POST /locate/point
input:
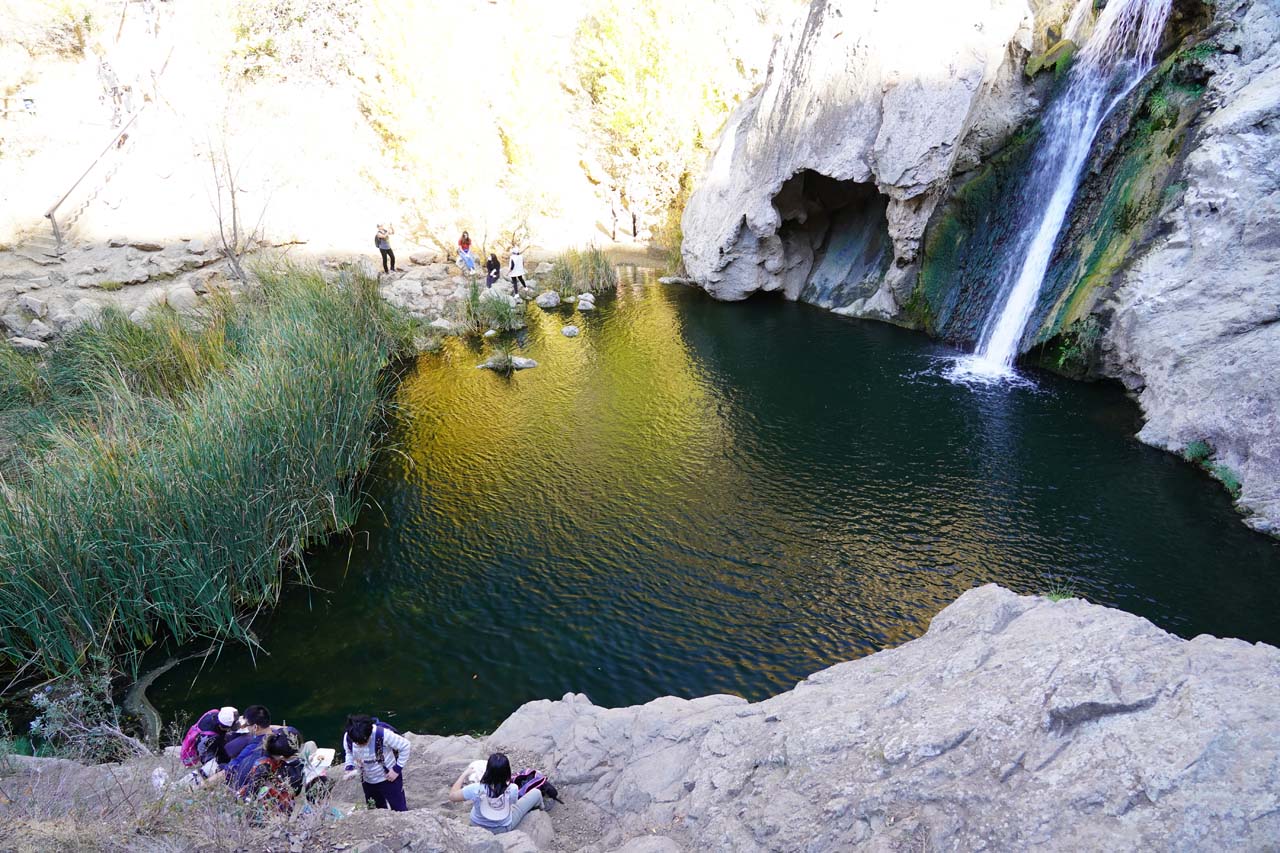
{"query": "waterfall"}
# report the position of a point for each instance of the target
(1119, 52)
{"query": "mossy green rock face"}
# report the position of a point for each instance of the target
(1129, 180)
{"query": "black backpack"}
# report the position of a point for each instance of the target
(528, 779)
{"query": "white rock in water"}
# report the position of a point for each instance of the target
(675, 279)
(522, 363)
(547, 299)
(569, 331)
(590, 297)
(27, 344)
(492, 333)
(584, 305)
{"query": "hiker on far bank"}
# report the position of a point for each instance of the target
(465, 258)
(382, 240)
(378, 753)
(517, 270)
(496, 803)
(492, 270)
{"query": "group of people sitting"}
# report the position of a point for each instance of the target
(259, 760)
(466, 260)
(269, 764)
(492, 267)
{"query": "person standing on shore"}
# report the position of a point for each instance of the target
(517, 270)
(382, 239)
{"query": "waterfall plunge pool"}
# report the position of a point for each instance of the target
(695, 497)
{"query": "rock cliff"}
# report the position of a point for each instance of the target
(825, 179)
(868, 175)
(1013, 723)
(1195, 319)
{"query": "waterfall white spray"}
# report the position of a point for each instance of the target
(1118, 53)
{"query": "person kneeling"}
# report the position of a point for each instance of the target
(496, 803)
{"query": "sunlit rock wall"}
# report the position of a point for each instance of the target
(886, 99)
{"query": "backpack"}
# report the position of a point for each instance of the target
(528, 779)
(190, 755)
(379, 730)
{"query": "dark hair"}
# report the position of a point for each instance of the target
(257, 715)
(497, 775)
(465, 234)
(281, 745)
(359, 728)
(492, 256)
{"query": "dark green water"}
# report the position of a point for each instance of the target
(694, 497)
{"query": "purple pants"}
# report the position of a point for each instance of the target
(386, 795)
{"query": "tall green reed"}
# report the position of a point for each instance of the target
(179, 468)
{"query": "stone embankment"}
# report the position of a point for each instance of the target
(1013, 723)
(43, 295)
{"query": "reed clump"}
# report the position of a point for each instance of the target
(163, 480)
(581, 271)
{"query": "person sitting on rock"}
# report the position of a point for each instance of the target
(275, 774)
(496, 803)
(378, 754)
(465, 258)
(492, 270)
(257, 725)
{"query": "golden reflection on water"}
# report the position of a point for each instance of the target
(692, 497)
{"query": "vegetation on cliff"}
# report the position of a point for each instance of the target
(160, 476)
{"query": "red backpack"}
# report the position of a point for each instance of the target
(190, 756)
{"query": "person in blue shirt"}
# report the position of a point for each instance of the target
(496, 803)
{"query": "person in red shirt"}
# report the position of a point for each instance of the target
(465, 258)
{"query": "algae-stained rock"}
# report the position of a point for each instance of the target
(1195, 330)
(867, 111)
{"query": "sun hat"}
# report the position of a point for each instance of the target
(227, 715)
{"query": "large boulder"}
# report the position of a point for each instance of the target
(547, 299)
(1195, 329)
(824, 180)
(1013, 723)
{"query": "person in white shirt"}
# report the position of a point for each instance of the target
(496, 803)
(517, 270)
(378, 753)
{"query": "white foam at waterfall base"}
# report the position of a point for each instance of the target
(1118, 53)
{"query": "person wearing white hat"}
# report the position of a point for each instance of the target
(214, 727)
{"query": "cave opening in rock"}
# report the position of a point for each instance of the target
(835, 238)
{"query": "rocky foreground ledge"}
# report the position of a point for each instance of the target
(1015, 722)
